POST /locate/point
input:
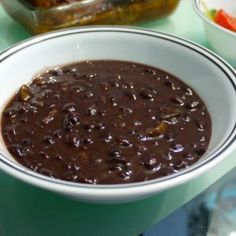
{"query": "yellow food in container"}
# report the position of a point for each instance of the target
(40, 16)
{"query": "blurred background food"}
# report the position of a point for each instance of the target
(40, 16)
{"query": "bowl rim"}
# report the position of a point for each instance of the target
(196, 7)
(150, 186)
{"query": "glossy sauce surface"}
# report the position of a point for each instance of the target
(106, 122)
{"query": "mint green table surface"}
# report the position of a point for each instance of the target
(26, 210)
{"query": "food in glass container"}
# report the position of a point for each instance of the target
(41, 16)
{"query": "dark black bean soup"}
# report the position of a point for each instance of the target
(106, 122)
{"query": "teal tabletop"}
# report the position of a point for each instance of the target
(26, 210)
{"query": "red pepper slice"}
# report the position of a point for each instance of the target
(225, 20)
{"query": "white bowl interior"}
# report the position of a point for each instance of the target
(200, 72)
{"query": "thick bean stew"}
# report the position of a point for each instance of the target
(106, 122)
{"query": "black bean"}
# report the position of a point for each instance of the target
(203, 139)
(177, 100)
(130, 94)
(92, 111)
(10, 113)
(200, 124)
(150, 71)
(23, 120)
(116, 156)
(168, 156)
(125, 86)
(88, 126)
(48, 139)
(75, 74)
(46, 93)
(141, 137)
(192, 105)
(113, 99)
(107, 138)
(44, 155)
(24, 108)
(176, 147)
(70, 120)
(11, 131)
(115, 152)
(187, 117)
(125, 173)
(154, 90)
(127, 110)
(120, 160)
(178, 165)
(137, 123)
(87, 180)
(52, 107)
(89, 94)
(34, 166)
(37, 103)
(77, 89)
(100, 126)
(73, 140)
(56, 72)
(17, 150)
(116, 167)
(66, 71)
(87, 140)
(57, 133)
(30, 131)
(57, 96)
(188, 91)
(104, 85)
(124, 142)
(189, 156)
(150, 163)
(69, 107)
(59, 157)
(200, 151)
(165, 171)
(132, 131)
(68, 165)
(92, 76)
(169, 137)
(115, 84)
(146, 93)
(98, 161)
(102, 112)
(26, 142)
(169, 84)
(70, 176)
(45, 171)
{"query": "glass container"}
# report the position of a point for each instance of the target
(39, 16)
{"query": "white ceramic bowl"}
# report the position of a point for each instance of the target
(212, 78)
(221, 40)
